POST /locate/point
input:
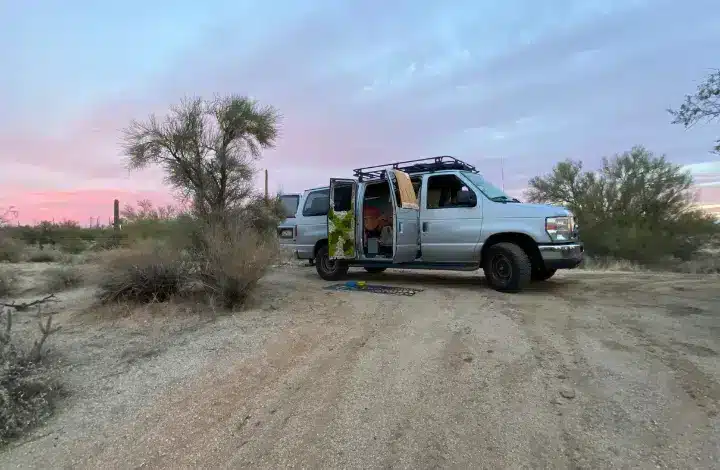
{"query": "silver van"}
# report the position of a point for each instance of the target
(436, 213)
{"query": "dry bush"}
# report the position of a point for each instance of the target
(149, 272)
(233, 260)
(73, 245)
(11, 250)
(8, 283)
(706, 265)
(43, 256)
(63, 277)
(610, 264)
(222, 262)
(27, 389)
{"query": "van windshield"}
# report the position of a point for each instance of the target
(491, 192)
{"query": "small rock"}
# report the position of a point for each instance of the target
(562, 376)
(555, 401)
(490, 351)
(568, 393)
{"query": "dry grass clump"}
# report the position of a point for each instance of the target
(11, 250)
(150, 272)
(27, 389)
(233, 260)
(8, 283)
(222, 262)
(42, 256)
(610, 264)
(63, 277)
(709, 264)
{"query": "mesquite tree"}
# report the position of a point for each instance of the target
(207, 149)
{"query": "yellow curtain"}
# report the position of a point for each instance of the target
(408, 198)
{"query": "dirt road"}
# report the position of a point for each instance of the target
(588, 370)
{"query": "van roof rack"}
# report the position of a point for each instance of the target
(422, 165)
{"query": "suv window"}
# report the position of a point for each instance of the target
(317, 203)
(442, 192)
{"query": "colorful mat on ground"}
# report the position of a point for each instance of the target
(373, 288)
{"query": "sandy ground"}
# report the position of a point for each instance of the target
(588, 370)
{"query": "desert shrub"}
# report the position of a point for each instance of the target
(637, 207)
(27, 389)
(43, 256)
(148, 272)
(8, 283)
(609, 264)
(11, 249)
(701, 265)
(72, 245)
(223, 261)
(63, 277)
(233, 259)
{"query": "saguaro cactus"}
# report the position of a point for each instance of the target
(116, 214)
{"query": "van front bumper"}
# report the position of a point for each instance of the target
(567, 256)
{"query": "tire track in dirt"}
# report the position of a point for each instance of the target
(623, 334)
(289, 389)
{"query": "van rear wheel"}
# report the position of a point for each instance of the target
(507, 267)
(328, 269)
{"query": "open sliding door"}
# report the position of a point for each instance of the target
(406, 217)
(342, 243)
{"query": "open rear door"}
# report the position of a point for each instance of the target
(406, 217)
(342, 243)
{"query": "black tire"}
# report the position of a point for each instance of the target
(330, 270)
(507, 267)
(373, 270)
(543, 274)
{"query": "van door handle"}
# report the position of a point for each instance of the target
(425, 226)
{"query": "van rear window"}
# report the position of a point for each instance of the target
(317, 203)
(290, 202)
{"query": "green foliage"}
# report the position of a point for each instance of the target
(342, 225)
(703, 105)
(638, 207)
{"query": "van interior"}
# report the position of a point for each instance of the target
(377, 213)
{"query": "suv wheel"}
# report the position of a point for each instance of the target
(543, 274)
(328, 269)
(375, 270)
(507, 267)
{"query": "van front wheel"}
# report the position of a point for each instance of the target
(507, 267)
(328, 269)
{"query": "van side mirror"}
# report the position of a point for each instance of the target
(466, 198)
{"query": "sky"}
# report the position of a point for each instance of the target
(358, 82)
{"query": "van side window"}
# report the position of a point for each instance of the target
(417, 186)
(443, 191)
(342, 197)
(317, 203)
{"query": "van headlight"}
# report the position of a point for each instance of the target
(560, 229)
